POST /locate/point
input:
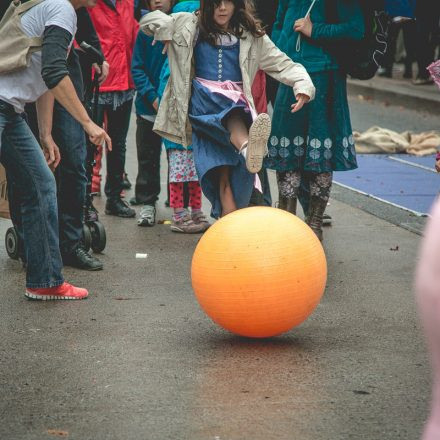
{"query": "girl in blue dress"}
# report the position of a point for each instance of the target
(214, 55)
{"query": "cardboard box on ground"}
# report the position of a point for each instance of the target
(4, 204)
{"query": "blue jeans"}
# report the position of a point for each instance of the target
(34, 190)
(71, 177)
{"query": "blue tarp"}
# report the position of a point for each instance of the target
(397, 182)
(401, 8)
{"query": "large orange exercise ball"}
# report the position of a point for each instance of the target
(259, 272)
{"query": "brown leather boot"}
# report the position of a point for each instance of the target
(287, 204)
(315, 215)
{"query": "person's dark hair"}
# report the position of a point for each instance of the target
(243, 19)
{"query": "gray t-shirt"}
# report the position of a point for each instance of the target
(27, 85)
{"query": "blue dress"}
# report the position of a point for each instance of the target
(207, 113)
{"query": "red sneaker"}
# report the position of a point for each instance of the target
(65, 291)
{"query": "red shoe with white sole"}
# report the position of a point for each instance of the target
(64, 291)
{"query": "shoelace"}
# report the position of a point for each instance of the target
(81, 252)
(147, 212)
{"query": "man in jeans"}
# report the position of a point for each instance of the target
(26, 166)
(71, 173)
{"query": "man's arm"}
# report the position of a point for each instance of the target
(44, 107)
(56, 43)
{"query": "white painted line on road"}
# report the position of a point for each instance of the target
(418, 214)
(140, 256)
(416, 165)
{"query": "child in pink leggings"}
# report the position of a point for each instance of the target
(428, 296)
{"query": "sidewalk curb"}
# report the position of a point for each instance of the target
(390, 213)
(410, 99)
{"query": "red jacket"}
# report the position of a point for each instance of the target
(117, 29)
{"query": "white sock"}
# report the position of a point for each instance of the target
(243, 149)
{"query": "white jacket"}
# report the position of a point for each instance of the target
(255, 53)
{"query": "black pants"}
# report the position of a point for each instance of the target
(427, 21)
(409, 29)
(118, 122)
(148, 146)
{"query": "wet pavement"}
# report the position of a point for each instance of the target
(140, 360)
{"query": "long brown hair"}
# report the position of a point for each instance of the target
(242, 19)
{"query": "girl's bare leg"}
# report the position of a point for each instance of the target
(251, 143)
(226, 195)
(237, 127)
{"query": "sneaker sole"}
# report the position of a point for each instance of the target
(86, 269)
(145, 223)
(33, 296)
(118, 215)
(258, 136)
(181, 231)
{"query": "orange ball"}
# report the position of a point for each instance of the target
(259, 272)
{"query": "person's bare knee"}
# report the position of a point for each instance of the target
(237, 128)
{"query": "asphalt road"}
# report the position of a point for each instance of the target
(140, 360)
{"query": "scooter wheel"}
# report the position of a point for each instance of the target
(99, 237)
(87, 237)
(11, 243)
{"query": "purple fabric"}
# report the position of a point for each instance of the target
(232, 90)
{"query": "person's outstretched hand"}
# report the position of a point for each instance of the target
(301, 99)
(97, 135)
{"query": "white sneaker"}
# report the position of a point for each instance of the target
(257, 144)
(147, 216)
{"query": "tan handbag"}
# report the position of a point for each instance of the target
(4, 204)
(16, 47)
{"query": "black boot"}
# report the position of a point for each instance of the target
(119, 208)
(287, 204)
(81, 259)
(315, 215)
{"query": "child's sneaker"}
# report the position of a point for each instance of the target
(186, 225)
(257, 144)
(200, 219)
(147, 216)
(64, 291)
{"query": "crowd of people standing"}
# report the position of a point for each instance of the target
(200, 75)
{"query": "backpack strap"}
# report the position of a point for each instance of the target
(34, 42)
(24, 7)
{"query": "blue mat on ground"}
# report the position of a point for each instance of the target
(426, 161)
(398, 183)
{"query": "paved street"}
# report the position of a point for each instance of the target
(140, 360)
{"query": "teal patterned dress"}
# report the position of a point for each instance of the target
(319, 137)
